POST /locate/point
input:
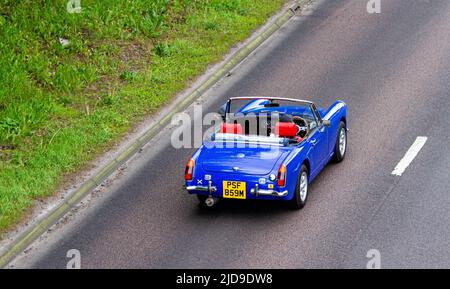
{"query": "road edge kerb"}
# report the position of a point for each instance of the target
(38, 229)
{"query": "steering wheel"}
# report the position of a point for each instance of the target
(302, 126)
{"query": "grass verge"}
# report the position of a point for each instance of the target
(73, 83)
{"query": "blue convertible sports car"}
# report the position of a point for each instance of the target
(267, 148)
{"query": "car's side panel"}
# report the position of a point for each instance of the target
(318, 150)
(324, 138)
(334, 114)
(293, 163)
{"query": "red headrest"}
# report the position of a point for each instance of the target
(235, 128)
(285, 129)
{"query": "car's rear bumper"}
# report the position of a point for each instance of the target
(209, 188)
(255, 192)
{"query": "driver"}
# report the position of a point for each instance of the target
(285, 118)
(300, 123)
(302, 126)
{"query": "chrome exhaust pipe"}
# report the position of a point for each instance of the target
(210, 201)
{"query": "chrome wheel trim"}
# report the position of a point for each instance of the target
(303, 186)
(342, 142)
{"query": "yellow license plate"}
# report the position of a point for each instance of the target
(234, 190)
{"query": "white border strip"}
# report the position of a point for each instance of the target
(410, 156)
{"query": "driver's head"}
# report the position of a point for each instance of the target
(285, 118)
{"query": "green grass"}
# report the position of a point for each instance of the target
(60, 106)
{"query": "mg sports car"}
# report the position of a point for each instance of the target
(267, 148)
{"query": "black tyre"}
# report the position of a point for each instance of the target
(301, 189)
(341, 143)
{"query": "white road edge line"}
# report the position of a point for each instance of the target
(410, 156)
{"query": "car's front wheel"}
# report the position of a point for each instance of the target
(301, 189)
(341, 143)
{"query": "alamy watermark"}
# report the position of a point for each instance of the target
(241, 130)
(374, 6)
(73, 6)
(74, 256)
(374, 257)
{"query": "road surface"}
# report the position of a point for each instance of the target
(392, 69)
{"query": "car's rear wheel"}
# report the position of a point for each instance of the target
(301, 189)
(341, 143)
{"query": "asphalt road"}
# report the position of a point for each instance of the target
(392, 69)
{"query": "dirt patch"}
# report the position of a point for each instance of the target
(130, 52)
(7, 147)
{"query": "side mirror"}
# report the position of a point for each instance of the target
(326, 123)
(223, 110)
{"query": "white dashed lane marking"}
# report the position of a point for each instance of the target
(410, 155)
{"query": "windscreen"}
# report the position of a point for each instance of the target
(259, 116)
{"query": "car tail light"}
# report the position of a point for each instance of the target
(188, 173)
(281, 176)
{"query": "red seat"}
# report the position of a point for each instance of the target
(235, 128)
(286, 129)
